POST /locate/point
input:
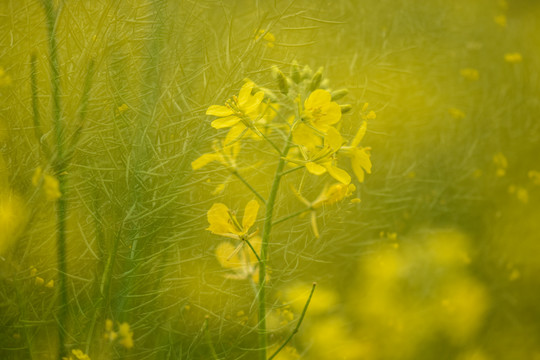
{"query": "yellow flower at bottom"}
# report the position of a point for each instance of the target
(241, 260)
(126, 335)
(77, 355)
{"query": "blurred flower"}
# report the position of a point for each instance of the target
(77, 354)
(223, 221)
(513, 58)
(329, 196)
(534, 176)
(13, 216)
(521, 193)
(224, 154)
(470, 74)
(267, 36)
(240, 260)
(48, 182)
(122, 108)
(456, 113)
(5, 79)
(500, 20)
(501, 163)
(125, 335)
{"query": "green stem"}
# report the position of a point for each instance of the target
(295, 214)
(297, 324)
(253, 250)
(255, 192)
(60, 170)
(267, 228)
(291, 170)
(35, 108)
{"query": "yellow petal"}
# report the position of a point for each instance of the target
(219, 110)
(252, 106)
(219, 220)
(245, 93)
(256, 242)
(250, 215)
(333, 139)
(359, 135)
(203, 160)
(235, 133)
(305, 136)
(360, 162)
(225, 122)
(338, 174)
(317, 98)
(226, 257)
(331, 115)
(315, 168)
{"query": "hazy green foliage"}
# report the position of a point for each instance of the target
(439, 260)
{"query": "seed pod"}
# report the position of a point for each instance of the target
(281, 80)
(316, 80)
(338, 94)
(345, 108)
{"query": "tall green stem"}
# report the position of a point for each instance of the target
(267, 228)
(60, 170)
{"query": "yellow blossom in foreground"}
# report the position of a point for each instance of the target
(470, 74)
(320, 111)
(223, 221)
(513, 58)
(50, 184)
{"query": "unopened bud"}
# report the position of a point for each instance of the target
(345, 108)
(306, 72)
(295, 72)
(316, 80)
(338, 94)
(281, 80)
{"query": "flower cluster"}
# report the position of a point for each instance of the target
(123, 335)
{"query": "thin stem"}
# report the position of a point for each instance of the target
(209, 340)
(60, 169)
(255, 192)
(269, 214)
(253, 249)
(291, 170)
(270, 142)
(295, 214)
(35, 108)
(297, 324)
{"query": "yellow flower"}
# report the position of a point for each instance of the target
(268, 37)
(13, 216)
(240, 260)
(50, 184)
(223, 221)
(320, 111)
(238, 113)
(329, 196)
(77, 355)
(224, 154)
(513, 58)
(470, 74)
(534, 176)
(126, 335)
(500, 20)
(360, 156)
(110, 334)
(501, 163)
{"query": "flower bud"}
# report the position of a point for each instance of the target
(281, 80)
(345, 108)
(338, 94)
(295, 72)
(316, 80)
(306, 72)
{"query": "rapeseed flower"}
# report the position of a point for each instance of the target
(513, 58)
(243, 262)
(360, 156)
(124, 335)
(224, 222)
(240, 112)
(320, 111)
(49, 183)
(224, 154)
(267, 36)
(77, 354)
